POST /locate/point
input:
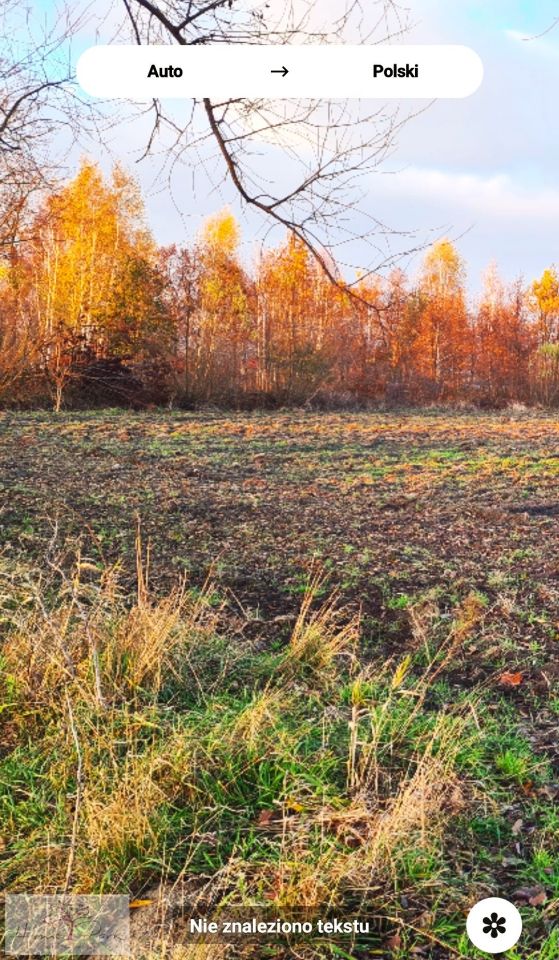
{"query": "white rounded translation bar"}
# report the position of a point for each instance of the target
(233, 70)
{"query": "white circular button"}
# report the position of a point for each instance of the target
(494, 925)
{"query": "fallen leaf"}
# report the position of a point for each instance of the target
(517, 827)
(511, 679)
(265, 817)
(134, 904)
(254, 483)
(539, 899)
(395, 942)
(535, 896)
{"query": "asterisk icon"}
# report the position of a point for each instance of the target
(494, 925)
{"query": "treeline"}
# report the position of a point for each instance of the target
(92, 312)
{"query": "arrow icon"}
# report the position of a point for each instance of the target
(284, 71)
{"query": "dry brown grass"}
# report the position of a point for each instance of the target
(94, 643)
(321, 635)
(88, 676)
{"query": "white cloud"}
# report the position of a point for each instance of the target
(497, 196)
(516, 35)
(538, 45)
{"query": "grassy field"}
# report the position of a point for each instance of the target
(289, 660)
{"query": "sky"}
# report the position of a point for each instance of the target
(482, 171)
(487, 167)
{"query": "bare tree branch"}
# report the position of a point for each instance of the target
(36, 103)
(331, 147)
(538, 36)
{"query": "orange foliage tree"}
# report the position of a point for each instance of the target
(444, 342)
(90, 294)
(87, 281)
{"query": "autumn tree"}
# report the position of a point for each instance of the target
(181, 270)
(37, 102)
(399, 321)
(91, 285)
(444, 339)
(544, 303)
(18, 352)
(90, 296)
(503, 342)
(224, 334)
(295, 321)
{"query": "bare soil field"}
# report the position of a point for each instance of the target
(430, 538)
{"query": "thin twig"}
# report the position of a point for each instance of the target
(79, 789)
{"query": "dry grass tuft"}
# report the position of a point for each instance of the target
(300, 779)
(257, 726)
(320, 636)
(95, 644)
